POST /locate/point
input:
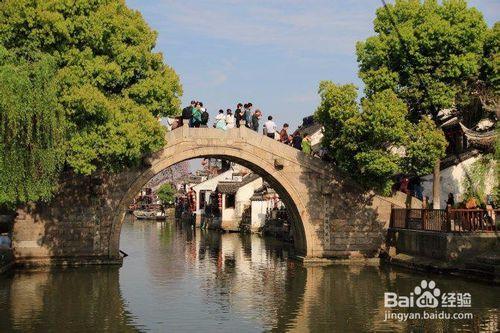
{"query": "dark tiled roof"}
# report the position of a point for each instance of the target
(232, 187)
(452, 160)
(310, 129)
(259, 193)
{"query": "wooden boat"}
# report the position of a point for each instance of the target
(149, 214)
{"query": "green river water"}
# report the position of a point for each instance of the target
(176, 279)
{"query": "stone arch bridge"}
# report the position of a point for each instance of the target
(331, 216)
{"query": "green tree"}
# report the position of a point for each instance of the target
(32, 129)
(107, 80)
(432, 57)
(166, 193)
(376, 141)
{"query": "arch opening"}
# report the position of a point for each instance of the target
(252, 161)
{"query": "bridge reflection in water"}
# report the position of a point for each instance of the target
(180, 279)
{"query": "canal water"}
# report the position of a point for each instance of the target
(176, 279)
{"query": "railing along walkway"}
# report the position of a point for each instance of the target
(446, 220)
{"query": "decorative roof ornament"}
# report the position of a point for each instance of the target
(479, 139)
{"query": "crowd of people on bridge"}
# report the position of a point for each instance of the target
(196, 115)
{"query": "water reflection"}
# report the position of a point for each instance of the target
(82, 300)
(180, 279)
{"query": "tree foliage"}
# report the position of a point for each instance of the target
(106, 79)
(478, 172)
(31, 130)
(440, 51)
(425, 56)
(375, 141)
(166, 193)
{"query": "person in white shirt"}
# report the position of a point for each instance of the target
(270, 127)
(220, 121)
(230, 121)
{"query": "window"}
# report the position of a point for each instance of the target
(230, 200)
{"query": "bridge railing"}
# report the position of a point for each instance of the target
(446, 220)
(267, 148)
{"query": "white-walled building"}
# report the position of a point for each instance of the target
(236, 198)
(263, 200)
(204, 190)
(453, 178)
(314, 130)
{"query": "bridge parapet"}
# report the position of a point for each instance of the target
(237, 137)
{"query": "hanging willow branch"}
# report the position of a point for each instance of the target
(32, 130)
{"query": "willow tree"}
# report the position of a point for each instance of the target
(32, 128)
(107, 80)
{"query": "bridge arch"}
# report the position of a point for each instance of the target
(331, 216)
(241, 146)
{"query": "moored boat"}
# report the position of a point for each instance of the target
(149, 214)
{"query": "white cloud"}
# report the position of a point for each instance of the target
(304, 97)
(322, 26)
(217, 77)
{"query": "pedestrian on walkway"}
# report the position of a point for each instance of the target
(306, 144)
(248, 115)
(425, 202)
(187, 114)
(196, 118)
(451, 200)
(270, 127)
(229, 119)
(297, 140)
(204, 118)
(238, 114)
(220, 121)
(284, 137)
(255, 120)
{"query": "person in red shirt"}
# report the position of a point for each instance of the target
(403, 187)
(284, 137)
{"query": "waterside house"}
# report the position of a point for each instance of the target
(235, 198)
(263, 201)
(470, 142)
(204, 191)
(314, 129)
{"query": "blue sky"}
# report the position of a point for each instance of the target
(272, 53)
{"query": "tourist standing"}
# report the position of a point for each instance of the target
(255, 120)
(297, 140)
(490, 209)
(418, 190)
(270, 127)
(451, 200)
(204, 118)
(187, 113)
(196, 119)
(238, 114)
(220, 121)
(403, 185)
(284, 137)
(229, 119)
(425, 202)
(306, 144)
(248, 115)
